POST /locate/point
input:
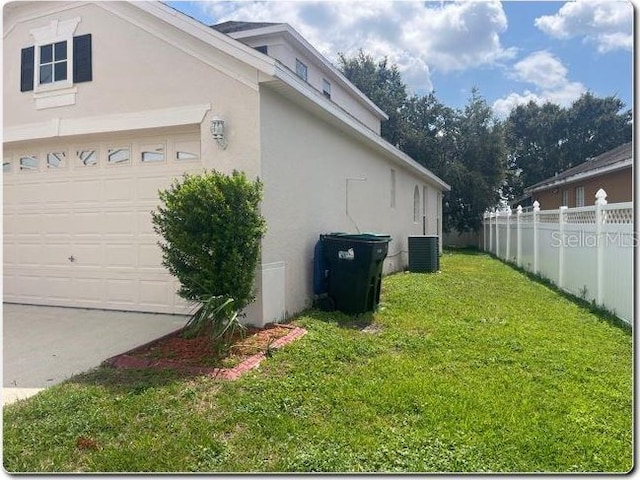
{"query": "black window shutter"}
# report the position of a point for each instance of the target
(82, 71)
(27, 66)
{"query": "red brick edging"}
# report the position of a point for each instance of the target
(125, 360)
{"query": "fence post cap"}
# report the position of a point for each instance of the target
(519, 209)
(601, 197)
(536, 206)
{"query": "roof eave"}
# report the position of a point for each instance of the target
(579, 176)
(284, 28)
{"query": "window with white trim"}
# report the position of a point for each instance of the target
(55, 62)
(565, 198)
(416, 204)
(579, 196)
(301, 70)
(326, 88)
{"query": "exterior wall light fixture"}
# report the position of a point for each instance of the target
(217, 132)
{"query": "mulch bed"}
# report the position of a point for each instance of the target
(197, 355)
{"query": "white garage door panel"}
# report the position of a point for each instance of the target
(88, 192)
(100, 217)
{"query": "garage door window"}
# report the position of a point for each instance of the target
(28, 163)
(118, 156)
(87, 158)
(56, 159)
(188, 150)
(152, 154)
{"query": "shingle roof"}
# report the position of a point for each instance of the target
(620, 154)
(233, 26)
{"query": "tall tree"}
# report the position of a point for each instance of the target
(545, 140)
(429, 133)
(478, 169)
(534, 135)
(383, 85)
(595, 125)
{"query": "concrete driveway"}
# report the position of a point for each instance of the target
(43, 346)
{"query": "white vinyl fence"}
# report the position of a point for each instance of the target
(586, 251)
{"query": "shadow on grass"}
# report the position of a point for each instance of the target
(130, 380)
(471, 251)
(601, 312)
(340, 319)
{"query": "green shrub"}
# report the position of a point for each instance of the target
(211, 228)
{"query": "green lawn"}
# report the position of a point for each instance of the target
(474, 369)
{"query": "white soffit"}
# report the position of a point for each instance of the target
(61, 127)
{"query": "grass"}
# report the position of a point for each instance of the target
(478, 368)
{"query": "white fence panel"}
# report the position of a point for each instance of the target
(580, 265)
(526, 242)
(513, 239)
(547, 252)
(587, 251)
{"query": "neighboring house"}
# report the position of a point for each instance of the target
(577, 186)
(105, 103)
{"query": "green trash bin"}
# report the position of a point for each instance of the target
(355, 269)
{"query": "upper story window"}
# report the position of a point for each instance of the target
(301, 70)
(326, 88)
(56, 62)
(53, 62)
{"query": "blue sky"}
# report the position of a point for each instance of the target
(512, 51)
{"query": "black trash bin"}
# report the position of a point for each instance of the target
(355, 269)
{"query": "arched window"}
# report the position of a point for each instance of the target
(416, 204)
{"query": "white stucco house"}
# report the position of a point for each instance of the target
(105, 103)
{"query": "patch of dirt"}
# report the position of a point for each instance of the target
(176, 351)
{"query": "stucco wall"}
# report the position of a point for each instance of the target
(305, 166)
(284, 52)
(140, 64)
(618, 186)
(141, 67)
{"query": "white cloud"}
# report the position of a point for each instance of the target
(416, 36)
(607, 24)
(548, 75)
(542, 69)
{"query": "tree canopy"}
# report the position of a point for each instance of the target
(543, 140)
(485, 160)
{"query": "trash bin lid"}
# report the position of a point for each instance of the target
(363, 237)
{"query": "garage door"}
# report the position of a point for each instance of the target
(77, 223)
